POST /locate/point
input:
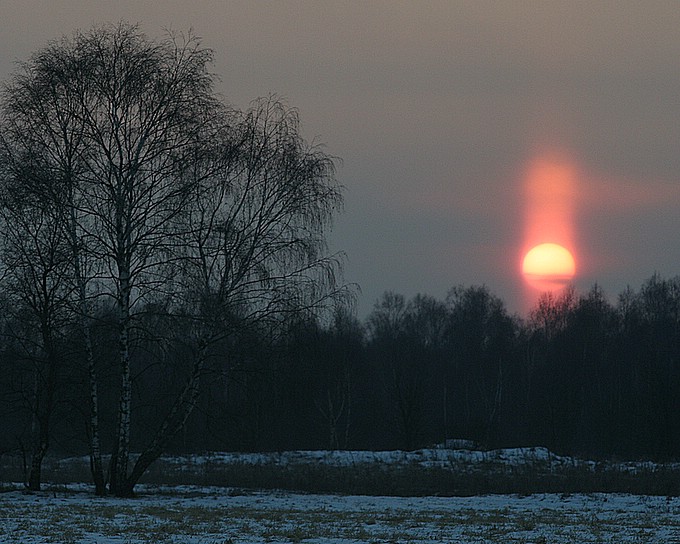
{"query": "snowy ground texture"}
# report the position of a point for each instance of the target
(507, 459)
(209, 515)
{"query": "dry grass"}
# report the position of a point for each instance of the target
(385, 479)
(214, 518)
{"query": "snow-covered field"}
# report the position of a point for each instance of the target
(208, 515)
(192, 514)
(429, 458)
(462, 460)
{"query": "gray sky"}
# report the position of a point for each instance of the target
(437, 108)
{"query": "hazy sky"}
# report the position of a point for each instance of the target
(437, 109)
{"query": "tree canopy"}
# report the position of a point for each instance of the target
(120, 161)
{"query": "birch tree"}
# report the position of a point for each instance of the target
(253, 252)
(35, 283)
(43, 137)
(167, 197)
(37, 160)
(149, 104)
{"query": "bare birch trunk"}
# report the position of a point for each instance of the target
(121, 454)
(43, 409)
(40, 442)
(173, 423)
(96, 465)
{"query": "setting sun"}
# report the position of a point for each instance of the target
(548, 266)
(550, 192)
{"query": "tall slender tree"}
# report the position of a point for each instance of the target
(35, 282)
(167, 197)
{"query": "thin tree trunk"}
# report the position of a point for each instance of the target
(348, 415)
(35, 474)
(121, 454)
(494, 415)
(119, 467)
(96, 465)
(40, 447)
(173, 423)
(332, 417)
(43, 408)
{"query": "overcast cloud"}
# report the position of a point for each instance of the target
(436, 108)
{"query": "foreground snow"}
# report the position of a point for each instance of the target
(206, 515)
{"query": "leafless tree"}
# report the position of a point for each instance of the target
(35, 282)
(145, 106)
(252, 249)
(43, 144)
(168, 197)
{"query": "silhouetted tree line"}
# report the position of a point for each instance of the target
(580, 375)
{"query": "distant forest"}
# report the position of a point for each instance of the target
(580, 375)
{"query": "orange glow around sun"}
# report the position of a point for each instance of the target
(550, 189)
